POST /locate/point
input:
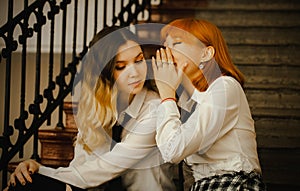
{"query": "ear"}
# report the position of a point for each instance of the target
(208, 54)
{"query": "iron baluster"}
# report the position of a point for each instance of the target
(95, 17)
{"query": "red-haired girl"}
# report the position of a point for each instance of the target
(217, 139)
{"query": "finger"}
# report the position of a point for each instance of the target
(169, 56)
(20, 178)
(154, 67)
(163, 55)
(12, 180)
(17, 174)
(158, 59)
(26, 174)
(68, 188)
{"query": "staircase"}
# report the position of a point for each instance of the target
(57, 144)
(264, 41)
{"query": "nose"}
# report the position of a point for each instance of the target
(133, 71)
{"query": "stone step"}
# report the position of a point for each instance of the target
(287, 55)
(271, 134)
(238, 35)
(255, 55)
(233, 18)
(272, 86)
(276, 78)
(275, 100)
(261, 35)
(230, 4)
(275, 113)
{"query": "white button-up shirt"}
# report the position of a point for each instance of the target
(137, 150)
(218, 137)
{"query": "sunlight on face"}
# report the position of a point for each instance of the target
(130, 70)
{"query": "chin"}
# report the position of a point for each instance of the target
(137, 90)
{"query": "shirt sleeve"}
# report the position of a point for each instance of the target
(214, 115)
(135, 151)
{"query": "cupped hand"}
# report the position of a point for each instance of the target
(23, 171)
(167, 75)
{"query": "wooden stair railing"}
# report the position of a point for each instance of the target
(57, 144)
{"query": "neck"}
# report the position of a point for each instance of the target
(124, 100)
(188, 85)
(201, 79)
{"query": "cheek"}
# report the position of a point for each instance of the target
(116, 75)
(179, 57)
(119, 78)
(187, 56)
(142, 68)
(121, 83)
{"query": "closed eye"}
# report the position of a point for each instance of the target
(120, 66)
(139, 61)
(176, 43)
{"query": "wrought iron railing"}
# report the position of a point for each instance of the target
(122, 13)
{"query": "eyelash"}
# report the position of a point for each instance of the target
(139, 61)
(123, 67)
(120, 67)
(176, 43)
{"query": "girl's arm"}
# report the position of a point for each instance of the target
(216, 113)
(135, 151)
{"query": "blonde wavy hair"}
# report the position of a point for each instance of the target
(97, 105)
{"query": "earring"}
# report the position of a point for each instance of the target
(201, 66)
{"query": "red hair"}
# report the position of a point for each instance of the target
(209, 35)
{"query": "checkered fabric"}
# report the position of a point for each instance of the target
(242, 181)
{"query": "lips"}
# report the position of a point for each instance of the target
(136, 83)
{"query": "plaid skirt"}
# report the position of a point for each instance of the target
(232, 181)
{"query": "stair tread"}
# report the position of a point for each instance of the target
(230, 5)
(233, 18)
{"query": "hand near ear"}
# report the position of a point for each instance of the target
(167, 76)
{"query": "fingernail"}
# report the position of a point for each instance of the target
(23, 183)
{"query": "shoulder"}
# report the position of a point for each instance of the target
(225, 90)
(227, 83)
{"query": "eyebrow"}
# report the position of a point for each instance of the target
(122, 61)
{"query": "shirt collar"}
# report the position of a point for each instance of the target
(198, 96)
(185, 102)
(135, 106)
